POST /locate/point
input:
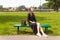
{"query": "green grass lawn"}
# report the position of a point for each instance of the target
(8, 19)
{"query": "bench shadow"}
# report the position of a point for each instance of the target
(31, 33)
(49, 32)
(26, 32)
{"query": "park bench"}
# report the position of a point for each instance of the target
(46, 26)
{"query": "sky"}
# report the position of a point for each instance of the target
(16, 3)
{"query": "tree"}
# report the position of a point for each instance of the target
(40, 7)
(1, 8)
(45, 6)
(35, 7)
(55, 4)
(21, 8)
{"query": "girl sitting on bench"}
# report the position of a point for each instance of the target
(36, 27)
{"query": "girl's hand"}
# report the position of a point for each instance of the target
(33, 22)
(30, 21)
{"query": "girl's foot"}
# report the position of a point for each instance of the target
(45, 35)
(38, 34)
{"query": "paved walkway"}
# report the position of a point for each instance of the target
(21, 37)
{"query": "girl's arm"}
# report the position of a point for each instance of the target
(34, 18)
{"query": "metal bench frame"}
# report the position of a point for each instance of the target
(46, 26)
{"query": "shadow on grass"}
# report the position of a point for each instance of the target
(49, 32)
(26, 32)
(31, 33)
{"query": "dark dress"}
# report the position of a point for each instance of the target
(32, 25)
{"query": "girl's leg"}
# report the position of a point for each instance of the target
(40, 29)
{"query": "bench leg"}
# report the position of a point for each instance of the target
(46, 29)
(18, 30)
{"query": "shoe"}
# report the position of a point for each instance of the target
(38, 34)
(45, 35)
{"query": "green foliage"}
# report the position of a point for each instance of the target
(21, 8)
(40, 7)
(1, 6)
(45, 6)
(55, 4)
